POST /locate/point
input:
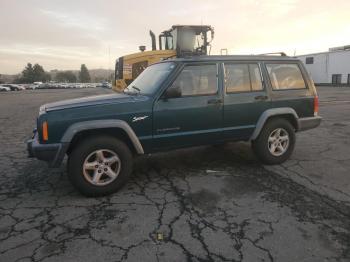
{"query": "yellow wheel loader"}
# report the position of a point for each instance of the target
(178, 41)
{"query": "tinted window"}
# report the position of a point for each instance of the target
(242, 78)
(197, 80)
(285, 76)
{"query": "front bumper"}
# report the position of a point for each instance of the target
(51, 153)
(306, 123)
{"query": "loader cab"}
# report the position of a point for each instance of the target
(178, 41)
(187, 40)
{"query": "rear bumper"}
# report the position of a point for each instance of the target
(306, 123)
(51, 153)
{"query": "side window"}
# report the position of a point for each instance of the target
(285, 76)
(242, 78)
(196, 80)
(255, 77)
(309, 60)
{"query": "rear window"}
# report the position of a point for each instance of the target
(285, 76)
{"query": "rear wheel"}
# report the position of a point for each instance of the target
(275, 143)
(99, 166)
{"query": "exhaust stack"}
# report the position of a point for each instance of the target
(153, 37)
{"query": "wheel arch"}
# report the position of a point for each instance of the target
(285, 112)
(115, 128)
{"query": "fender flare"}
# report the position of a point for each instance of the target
(273, 112)
(100, 124)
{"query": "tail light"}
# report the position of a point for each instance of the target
(316, 105)
(45, 132)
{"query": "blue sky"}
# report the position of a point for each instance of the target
(64, 34)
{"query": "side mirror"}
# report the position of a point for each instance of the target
(172, 92)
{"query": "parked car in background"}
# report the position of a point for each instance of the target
(13, 87)
(28, 86)
(21, 87)
(4, 88)
(104, 84)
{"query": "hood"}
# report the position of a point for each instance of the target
(92, 101)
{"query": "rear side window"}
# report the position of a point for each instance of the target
(285, 76)
(242, 78)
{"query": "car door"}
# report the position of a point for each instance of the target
(245, 99)
(190, 110)
(289, 87)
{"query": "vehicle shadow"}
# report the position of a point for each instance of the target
(204, 157)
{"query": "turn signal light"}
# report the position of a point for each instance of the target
(45, 132)
(316, 105)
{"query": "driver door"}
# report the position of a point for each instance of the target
(190, 112)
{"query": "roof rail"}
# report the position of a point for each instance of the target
(276, 53)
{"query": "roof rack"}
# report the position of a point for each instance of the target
(276, 53)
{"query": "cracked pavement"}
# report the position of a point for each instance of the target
(212, 203)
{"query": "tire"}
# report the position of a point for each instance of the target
(98, 174)
(263, 146)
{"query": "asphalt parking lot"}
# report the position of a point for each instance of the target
(215, 203)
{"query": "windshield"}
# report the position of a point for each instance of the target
(150, 79)
(190, 40)
(167, 42)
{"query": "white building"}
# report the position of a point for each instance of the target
(332, 67)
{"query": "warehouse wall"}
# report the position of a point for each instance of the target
(317, 70)
(339, 63)
(326, 64)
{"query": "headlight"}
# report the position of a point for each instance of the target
(42, 110)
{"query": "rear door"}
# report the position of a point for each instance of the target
(194, 118)
(245, 98)
(290, 88)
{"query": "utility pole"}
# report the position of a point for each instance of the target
(109, 62)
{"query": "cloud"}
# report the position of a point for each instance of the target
(77, 20)
(64, 33)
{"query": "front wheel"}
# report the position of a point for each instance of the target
(275, 143)
(99, 166)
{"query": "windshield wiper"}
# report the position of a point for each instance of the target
(137, 89)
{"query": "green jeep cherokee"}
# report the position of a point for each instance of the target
(175, 104)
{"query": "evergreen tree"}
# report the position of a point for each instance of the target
(39, 74)
(27, 74)
(84, 75)
(32, 74)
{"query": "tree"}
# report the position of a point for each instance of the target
(40, 75)
(1, 79)
(27, 74)
(84, 75)
(66, 76)
(34, 73)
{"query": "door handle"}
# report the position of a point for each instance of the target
(214, 101)
(261, 98)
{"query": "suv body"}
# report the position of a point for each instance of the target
(175, 104)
